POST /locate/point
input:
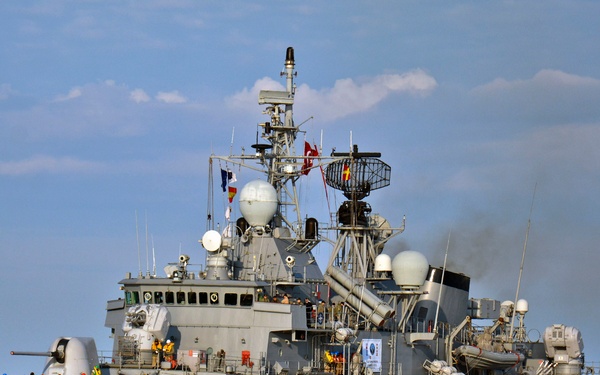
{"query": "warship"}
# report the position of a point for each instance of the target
(261, 303)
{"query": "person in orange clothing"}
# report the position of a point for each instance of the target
(156, 350)
(169, 350)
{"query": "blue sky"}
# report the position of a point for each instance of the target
(108, 107)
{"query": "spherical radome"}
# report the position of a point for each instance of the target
(409, 269)
(258, 202)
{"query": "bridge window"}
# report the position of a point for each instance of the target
(180, 298)
(231, 299)
(192, 298)
(170, 298)
(131, 298)
(203, 298)
(245, 299)
(158, 297)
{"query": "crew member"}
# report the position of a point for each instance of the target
(168, 350)
(221, 359)
(309, 309)
(156, 349)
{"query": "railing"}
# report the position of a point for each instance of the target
(591, 368)
(214, 363)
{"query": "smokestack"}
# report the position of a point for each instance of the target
(289, 56)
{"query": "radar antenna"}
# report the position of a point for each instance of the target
(356, 174)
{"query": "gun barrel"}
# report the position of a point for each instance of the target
(36, 354)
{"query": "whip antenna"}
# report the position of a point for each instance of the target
(512, 325)
(437, 311)
(137, 235)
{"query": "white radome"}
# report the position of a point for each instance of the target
(383, 263)
(258, 202)
(522, 306)
(409, 269)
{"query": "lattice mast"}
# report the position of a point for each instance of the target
(360, 239)
(279, 155)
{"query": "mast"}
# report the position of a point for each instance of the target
(356, 174)
(275, 154)
(283, 167)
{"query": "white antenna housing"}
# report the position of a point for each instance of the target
(258, 202)
(522, 307)
(211, 240)
(409, 269)
(383, 263)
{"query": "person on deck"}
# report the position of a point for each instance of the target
(309, 310)
(169, 350)
(156, 349)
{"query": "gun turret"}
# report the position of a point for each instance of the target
(58, 355)
(75, 354)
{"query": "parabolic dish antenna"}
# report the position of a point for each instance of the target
(211, 240)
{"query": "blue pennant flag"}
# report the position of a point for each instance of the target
(224, 180)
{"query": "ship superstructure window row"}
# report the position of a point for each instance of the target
(189, 298)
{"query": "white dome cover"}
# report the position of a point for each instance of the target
(383, 263)
(409, 269)
(522, 306)
(258, 202)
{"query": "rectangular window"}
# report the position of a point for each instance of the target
(129, 298)
(192, 298)
(299, 336)
(158, 297)
(180, 298)
(245, 299)
(203, 298)
(231, 299)
(170, 298)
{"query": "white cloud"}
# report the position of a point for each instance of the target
(75, 92)
(139, 96)
(346, 97)
(47, 164)
(544, 78)
(173, 97)
(416, 82)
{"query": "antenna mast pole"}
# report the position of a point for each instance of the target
(437, 311)
(147, 259)
(137, 235)
(512, 324)
(153, 258)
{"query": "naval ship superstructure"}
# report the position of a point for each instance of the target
(263, 304)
